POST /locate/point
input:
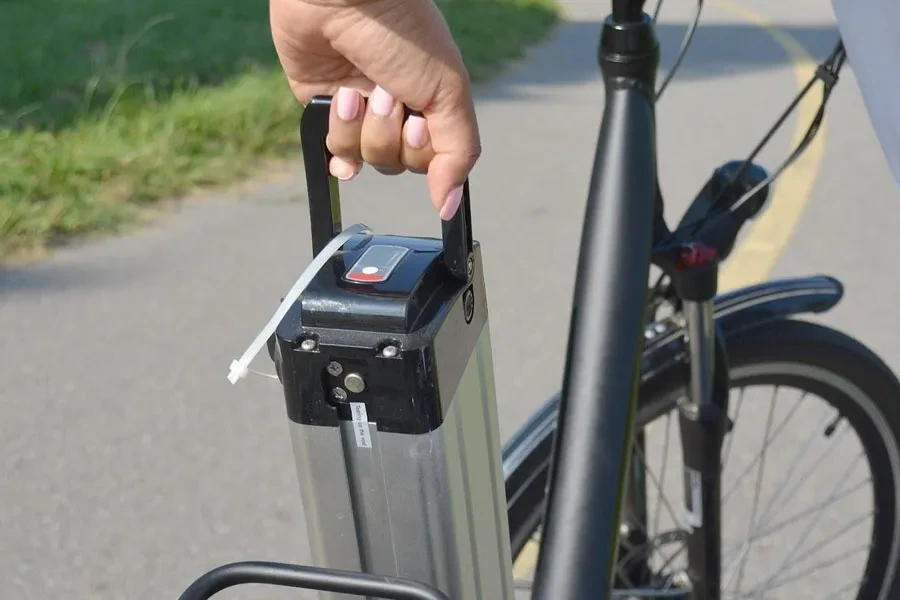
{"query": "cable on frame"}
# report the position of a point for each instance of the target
(827, 73)
(685, 44)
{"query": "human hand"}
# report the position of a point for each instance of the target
(374, 57)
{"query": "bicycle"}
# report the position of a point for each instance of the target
(636, 353)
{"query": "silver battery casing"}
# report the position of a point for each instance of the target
(429, 506)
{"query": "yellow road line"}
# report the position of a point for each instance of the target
(753, 259)
(756, 255)
(526, 561)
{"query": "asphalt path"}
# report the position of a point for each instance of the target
(130, 465)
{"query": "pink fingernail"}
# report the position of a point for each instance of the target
(451, 204)
(347, 104)
(382, 102)
(341, 169)
(416, 132)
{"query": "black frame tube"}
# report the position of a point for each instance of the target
(592, 446)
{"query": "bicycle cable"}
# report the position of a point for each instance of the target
(682, 51)
(656, 11)
(828, 73)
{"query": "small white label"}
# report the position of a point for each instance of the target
(694, 497)
(360, 424)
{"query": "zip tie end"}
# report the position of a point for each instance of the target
(237, 372)
(240, 368)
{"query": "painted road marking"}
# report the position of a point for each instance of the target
(753, 259)
(755, 256)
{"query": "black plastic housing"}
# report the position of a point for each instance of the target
(432, 318)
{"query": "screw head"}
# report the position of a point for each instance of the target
(470, 265)
(339, 394)
(390, 351)
(468, 305)
(355, 383)
(308, 345)
(334, 368)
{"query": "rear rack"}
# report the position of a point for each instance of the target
(308, 578)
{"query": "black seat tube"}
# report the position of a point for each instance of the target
(591, 450)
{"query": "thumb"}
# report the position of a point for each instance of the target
(454, 137)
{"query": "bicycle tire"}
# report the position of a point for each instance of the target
(782, 352)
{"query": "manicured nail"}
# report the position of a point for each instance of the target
(382, 102)
(342, 170)
(451, 204)
(416, 132)
(347, 104)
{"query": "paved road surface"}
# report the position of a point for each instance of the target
(130, 465)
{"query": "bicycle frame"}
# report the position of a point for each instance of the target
(599, 394)
(623, 227)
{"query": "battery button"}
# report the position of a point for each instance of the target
(376, 264)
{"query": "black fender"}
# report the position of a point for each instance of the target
(665, 357)
(738, 311)
(751, 306)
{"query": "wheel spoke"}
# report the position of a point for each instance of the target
(840, 532)
(640, 455)
(777, 583)
(809, 529)
(762, 462)
(835, 492)
(655, 480)
(814, 508)
(768, 441)
(782, 485)
(665, 460)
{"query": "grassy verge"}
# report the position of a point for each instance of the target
(108, 105)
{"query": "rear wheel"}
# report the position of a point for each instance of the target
(811, 472)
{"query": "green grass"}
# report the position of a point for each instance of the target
(109, 105)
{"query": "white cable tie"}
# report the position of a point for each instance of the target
(241, 367)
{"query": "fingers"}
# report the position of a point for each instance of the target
(380, 136)
(456, 143)
(374, 132)
(416, 153)
(344, 128)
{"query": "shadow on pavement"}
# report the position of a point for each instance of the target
(718, 49)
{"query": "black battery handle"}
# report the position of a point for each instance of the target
(325, 202)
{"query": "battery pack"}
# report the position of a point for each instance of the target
(385, 360)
